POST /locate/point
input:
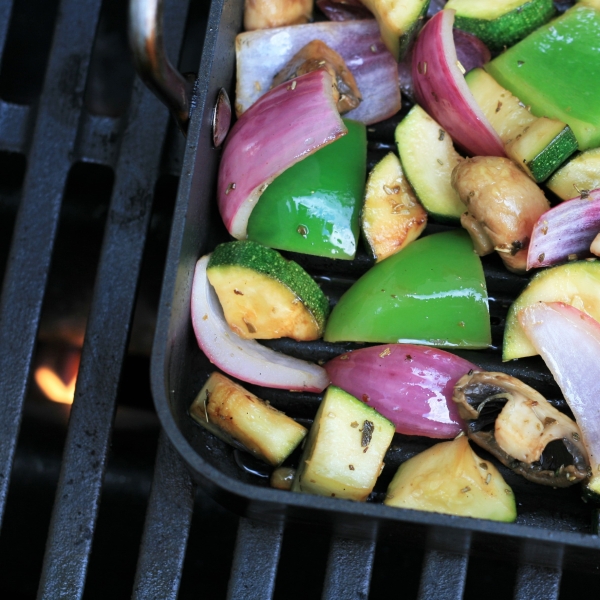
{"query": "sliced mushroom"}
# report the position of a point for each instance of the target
(318, 55)
(504, 201)
(265, 14)
(521, 428)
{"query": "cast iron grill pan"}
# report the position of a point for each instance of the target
(553, 528)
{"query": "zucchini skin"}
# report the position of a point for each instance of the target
(553, 155)
(269, 262)
(509, 28)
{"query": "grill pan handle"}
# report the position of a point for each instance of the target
(151, 61)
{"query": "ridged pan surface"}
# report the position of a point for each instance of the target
(553, 526)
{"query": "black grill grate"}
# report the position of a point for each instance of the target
(54, 133)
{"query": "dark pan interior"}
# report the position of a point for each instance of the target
(553, 525)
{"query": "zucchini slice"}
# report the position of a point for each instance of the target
(576, 283)
(399, 22)
(538, 145)
(428, 158)
(580, 174)
(501, 23)
(344, 451)
(450, 478)
(240, 418)
(265, 296)
(391, 217)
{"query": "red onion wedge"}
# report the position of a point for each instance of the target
(290, 122)
(440, 88)
(565, 231)
(569, 342)
(410, 385)
(262, 54)
(245, 359)
(344, 10)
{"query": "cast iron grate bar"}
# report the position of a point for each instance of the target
(537, 583)
(35, 229)
(255, 561)
(349, 569)
(5, 12)
(78, 494)
(167, 526)
(443, 576)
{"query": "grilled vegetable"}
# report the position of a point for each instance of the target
(410, 385)
(265, 296)
(569, 342)
(263, 14)
(245, 359)
(577, 284)
(538, 146)
(440, 88)
(260, 55)
(565, 232)
(391, 216)
(287, 124)
(556, 57)
(344, 451)
(432, 293)
(239, 417)
(577, 177)
(399, 22)
(450, 478)
(428, 158)
(504, 205)
(521, 428)
(318, 55)
(313, 207)
(501, 23)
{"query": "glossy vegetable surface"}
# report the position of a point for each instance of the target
(556, 70)
(565, 231)
(245, 359)
(410, 385)
(440, 88)
(262, 54)
(432, 293)
(313, 207)
(290, 122)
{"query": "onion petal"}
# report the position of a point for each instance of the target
(440, 88)
(245, 359)
(344, 10)
(290, 122)
(262, 54)
(569, 342)
(565, 230)
(410, 385)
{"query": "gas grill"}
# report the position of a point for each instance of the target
(95, 499)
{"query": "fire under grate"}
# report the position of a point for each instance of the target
(52, 132)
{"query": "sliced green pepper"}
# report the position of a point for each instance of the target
(556, 70)
(313, 207)
(432, 293)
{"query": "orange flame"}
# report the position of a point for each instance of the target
(53, 386)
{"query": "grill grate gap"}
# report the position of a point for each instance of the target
(24, 63)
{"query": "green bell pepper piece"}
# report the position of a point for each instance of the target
(313, 207)
(431, 293)
(556, 70)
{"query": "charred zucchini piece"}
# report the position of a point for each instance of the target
(345, 448)
(538, 145)
(580, 174)
(399, 22)
(591, 490)
(391, 217)
(428, 158)
(265, 296)
(241, 419)
(450, 478)
(576, 283)
(501, 23)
